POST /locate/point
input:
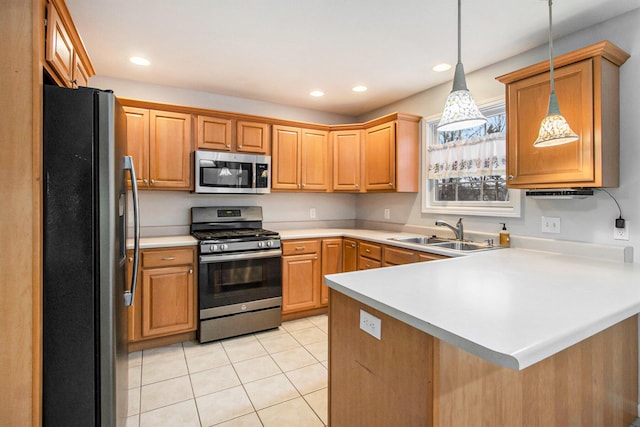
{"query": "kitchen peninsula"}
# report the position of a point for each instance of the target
(502, 338)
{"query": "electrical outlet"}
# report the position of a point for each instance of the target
(370, 324)
(312, 213)
(621, 233)
(550, 224)
(387, 214)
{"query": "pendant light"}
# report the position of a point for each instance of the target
(554, 129)
(460, 111)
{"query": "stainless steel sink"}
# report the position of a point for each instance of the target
(463, 246)
(420, 240)
(438, 242)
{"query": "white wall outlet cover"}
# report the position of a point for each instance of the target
(387, 214)
(621, 233)
(371, 324)
(312, 213)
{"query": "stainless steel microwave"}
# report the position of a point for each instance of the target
(221, 172)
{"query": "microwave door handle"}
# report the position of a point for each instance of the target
(129, 294)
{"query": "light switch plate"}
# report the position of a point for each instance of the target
(387, 214)
(370, 324)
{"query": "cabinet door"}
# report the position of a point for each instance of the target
(380, 157)
(331, 263)
(300, 283)
(285, 164)
(168, 301)
(138, 143)
(214, 133)
(527, 100)
(59, 48)
(253, 137)
(346, 160)
(80, 76)
(170, 150)
(349, 255)
(314, 159)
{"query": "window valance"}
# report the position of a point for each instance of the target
(481, 156)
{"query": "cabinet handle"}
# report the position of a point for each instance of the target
(299, 248)
(353, 245)
(511, 177)
(391, 184)
(153, 181)
(367, 265)
(74, 81)
(368, 251)
(315, 258)
(357, 185)
(169, 258)
(145, 181)
(190, 271)
(303, 185)
(130, 259)
(239, 146)
(228, 145)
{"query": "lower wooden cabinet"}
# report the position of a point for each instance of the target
(300, 275)
(349, 255)
(165, 301)
(369, 255)
(331, 263)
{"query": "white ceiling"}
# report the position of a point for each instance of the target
(280, 50)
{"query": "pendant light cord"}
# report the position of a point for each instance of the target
(551, 51)
(460, 31)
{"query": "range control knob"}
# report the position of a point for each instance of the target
(213, 248)
(223, 247)
(261, 244)
(270, 243)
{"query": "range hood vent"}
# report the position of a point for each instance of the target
(565, 193)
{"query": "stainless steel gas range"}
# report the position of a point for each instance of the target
(239, 272)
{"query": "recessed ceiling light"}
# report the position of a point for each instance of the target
(316, 93)
(441, 67)
(359, 88)
(140, 61)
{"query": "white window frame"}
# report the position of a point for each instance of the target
(512, 208)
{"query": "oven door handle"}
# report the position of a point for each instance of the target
(206, 259)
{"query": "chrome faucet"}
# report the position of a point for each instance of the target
(458, 229)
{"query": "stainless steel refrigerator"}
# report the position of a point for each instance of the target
(85, 294)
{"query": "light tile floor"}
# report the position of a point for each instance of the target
(274, 378)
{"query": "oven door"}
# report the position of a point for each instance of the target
(227, 279)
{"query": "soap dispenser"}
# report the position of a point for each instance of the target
(505, 239)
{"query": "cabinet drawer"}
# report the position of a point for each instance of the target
(397, 256)
(365, 263)
(370, 251)
(166, 258)
(428, 256)
(299, 247)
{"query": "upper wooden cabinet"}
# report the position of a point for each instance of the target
(587, 86)
(347, 148)
(391, 154)
(65, 56)
(225, 134)
(160, 144)
(300, 159)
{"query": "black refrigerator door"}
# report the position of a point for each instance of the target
(84, 361)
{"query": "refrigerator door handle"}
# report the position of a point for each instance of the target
(129, 294)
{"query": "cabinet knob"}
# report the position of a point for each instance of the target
(74, 81)
(511, 177)
(368, 251)
(391, 184)
(153, 181)
(130, 259)
(315, 258)
(145, 181)
(228, 145)
(303, 185)
(239, 146)
(357, 185)
(190, 271)
(353, 245)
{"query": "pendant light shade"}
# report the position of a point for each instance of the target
(460, 110)
(554, 129)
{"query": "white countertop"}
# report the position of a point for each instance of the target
(512, 307)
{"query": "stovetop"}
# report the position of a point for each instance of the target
(246, 234)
